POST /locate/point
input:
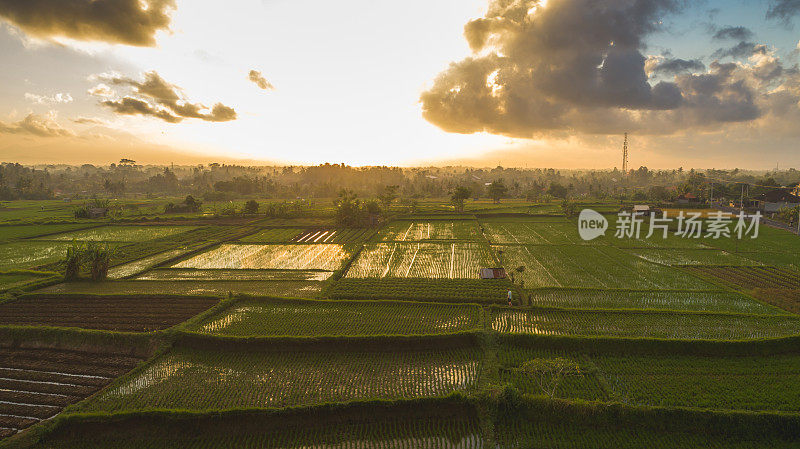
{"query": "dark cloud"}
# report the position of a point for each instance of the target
(130, 22)
(540, 68)
(256, 77)
(155, 97)
(740, 50)
(578, 66)
(676, 66)
(783, 9)
(733, 33)
(35, 125)
(88, 121)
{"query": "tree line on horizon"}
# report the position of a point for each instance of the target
(219, 182)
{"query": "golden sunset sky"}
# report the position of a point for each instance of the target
(473, 82)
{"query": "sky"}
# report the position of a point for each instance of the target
(527, 83)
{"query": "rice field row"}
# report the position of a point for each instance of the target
(522, 232)
(121, 233)
(327, 235)
(422, 260)
(683, 326)
(142, 265)
(16, 279)
(677, 257)
(513, 432)
(412, 231)
(29, 231)
(273, 235)
(290, 289)
(419, 289)
(750, 277)
(28, 254)
(326, 256)
(721, 382)
(340, 318)
(193, 379)
(746, 383)
(595, 266)
(425, 432)
(222, 274)
(698, 301)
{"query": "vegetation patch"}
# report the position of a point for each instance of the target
(267, 317)
(635, 324)
(696, 301)
(404, 231)
(195, 379)
(748, 278)
(121, 233)
(294, 289)
(679, 257)
(442, 290)
(287, 257)
(422, 260)
(595, 266)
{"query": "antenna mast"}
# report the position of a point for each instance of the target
(625, 156)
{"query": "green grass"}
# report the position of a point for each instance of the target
(122, 233)
(630, 324)
(317, 318)
(193, 379)
(440, 290)
(592, 267)
(696, 301)
(294, 289)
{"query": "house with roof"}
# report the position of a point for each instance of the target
(775, 200)
(687, 198)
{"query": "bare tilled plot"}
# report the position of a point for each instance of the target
(750, 277)
(422, 260)
(324, 256)
(35, 384)
(114, 313)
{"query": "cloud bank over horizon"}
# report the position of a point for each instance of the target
(547, 69)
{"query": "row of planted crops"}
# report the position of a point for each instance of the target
(404, 345)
